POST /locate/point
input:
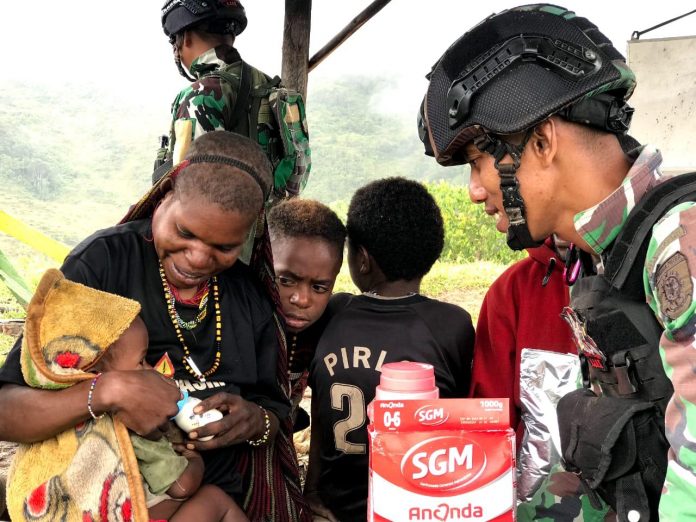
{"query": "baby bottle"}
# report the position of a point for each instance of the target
(189, 421)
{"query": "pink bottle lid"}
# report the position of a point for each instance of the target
(388, 395)
(407, 376)
(407, 380)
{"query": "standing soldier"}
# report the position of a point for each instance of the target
(534, 100)
(227, 93)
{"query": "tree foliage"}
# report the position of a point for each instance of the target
(470, 234)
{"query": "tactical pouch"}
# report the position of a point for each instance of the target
(617, 448)
(616, 443)
(274, 116)
(290, 176)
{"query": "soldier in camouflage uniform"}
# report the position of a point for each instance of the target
(534, 100)
(226, 93)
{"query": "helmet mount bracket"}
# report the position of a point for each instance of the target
(568, 60)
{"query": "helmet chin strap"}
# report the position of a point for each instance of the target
(182, 71)
(518, 236)
(177, 60)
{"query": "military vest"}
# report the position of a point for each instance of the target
(259, 107)
(615, 441)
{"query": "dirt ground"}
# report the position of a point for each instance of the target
(6, 451)
(469, 299)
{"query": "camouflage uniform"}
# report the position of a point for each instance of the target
(669, 289)
(208, 104)
(558, 500)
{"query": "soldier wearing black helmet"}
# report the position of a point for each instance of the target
(202, 34)
(224, 19)
(227, 93)
(534, 99)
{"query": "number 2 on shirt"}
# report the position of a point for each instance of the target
(355, 419)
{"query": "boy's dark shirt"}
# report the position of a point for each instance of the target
(413, 328)
(122, 260)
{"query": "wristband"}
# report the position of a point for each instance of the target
(263, 439)
(90, 395)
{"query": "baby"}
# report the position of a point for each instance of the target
(73, 335)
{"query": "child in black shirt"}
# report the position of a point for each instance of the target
(395, 235)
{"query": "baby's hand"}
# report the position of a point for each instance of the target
(190, 454)
(175, 434)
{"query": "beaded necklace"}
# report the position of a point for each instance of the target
(293, 348)
(189, 364)
(375, 295)
(202, 311)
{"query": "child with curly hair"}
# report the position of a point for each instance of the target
(395, 235)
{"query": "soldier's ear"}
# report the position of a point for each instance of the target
(187, 40)
(544, 141)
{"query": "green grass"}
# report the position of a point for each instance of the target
(6, 342)
(9, 309)
(461, 284)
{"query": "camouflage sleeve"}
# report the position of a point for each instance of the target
(200, 108)
(669, 287)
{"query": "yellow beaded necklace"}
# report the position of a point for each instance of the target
(189, 364)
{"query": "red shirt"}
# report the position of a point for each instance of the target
(518, 312)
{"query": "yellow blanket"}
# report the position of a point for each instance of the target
(88, 473)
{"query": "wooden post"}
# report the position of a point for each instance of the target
(298, 17)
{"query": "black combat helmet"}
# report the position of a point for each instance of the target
(222, 16)
(511, 72)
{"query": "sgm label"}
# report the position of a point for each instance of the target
(443, 463)
(491, 405)
(392, 420)
(430, 416)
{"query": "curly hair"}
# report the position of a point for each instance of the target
(306, 218)
(224, 185)
(399, 224)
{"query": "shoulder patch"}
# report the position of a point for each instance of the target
(674, 286)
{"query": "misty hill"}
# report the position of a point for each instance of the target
(74, 157)
(358, 135)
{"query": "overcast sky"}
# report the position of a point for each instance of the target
(120, 46)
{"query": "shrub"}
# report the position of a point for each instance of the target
(470, 234)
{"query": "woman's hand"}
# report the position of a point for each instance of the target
(242, 421)
(143, 400)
